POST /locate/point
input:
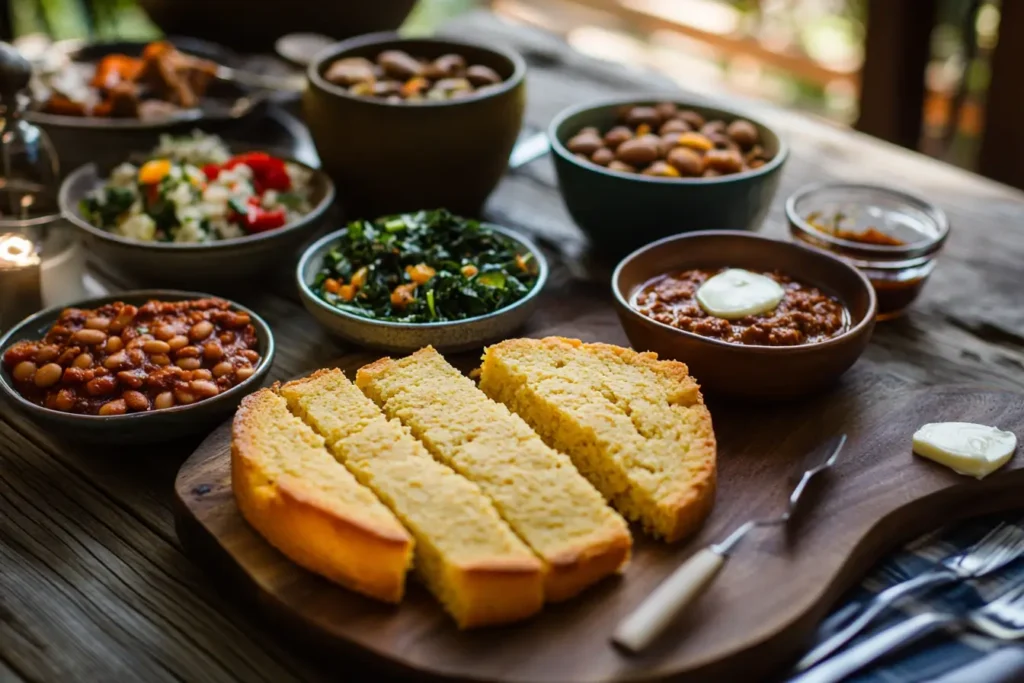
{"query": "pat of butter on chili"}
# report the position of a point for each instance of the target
(966, 448)
(736, 293)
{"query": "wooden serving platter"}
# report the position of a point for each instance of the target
(753, 620)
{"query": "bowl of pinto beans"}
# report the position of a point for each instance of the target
(135, 367)
(197, 213)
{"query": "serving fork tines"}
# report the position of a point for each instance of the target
(1002, 618)
(682, 587)
(1000, 546)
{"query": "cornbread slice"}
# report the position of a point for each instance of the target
(307, 505)
(466, 555)
(635, 426)
(534, 488)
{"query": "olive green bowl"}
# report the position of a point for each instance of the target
(620, 212)
(745, 370)
(134, 428)
(221, 266)
(397, 157)
(397, 337)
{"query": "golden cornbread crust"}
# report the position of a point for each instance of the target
(535, 489)
(635, 426)
(465, 553)
(367, 552)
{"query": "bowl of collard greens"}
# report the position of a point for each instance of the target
(402, 282)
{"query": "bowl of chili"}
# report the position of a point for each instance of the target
(182, 363)
(801, 344)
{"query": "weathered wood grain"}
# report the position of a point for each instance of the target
(968, 327)
(90, 592)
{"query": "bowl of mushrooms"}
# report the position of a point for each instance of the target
(633, 171)
(403, 124)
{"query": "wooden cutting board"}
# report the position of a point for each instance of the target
(756, 616)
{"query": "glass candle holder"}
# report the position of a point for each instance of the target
(892, 236)
(20, 279)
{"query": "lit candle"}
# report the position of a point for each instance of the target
(20, 279)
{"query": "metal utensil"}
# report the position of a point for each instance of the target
(999, 547)
(1002, 618)
(648, 621)
(527, 149)
(250, 79)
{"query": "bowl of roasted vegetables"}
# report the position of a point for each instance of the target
(101, 101)
(195, 210)
(402, 282)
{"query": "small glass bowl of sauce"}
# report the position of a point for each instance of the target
(893, 237)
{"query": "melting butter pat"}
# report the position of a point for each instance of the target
(736, 293)
(967, 448)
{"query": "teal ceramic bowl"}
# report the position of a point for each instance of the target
(397, 337)
(621, 212)
(132, 428)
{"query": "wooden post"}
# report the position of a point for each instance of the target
(1002, 140)
(896, 52)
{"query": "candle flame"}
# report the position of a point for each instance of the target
(17, 252)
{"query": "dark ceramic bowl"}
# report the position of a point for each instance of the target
(740, 370)
(83, 139)
(396, 157)
(622, 211)
(396, 337)
(148, 427)
(254, 25)
(220, 266)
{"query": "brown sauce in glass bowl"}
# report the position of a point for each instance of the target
(805, 315)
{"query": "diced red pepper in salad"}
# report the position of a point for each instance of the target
(268, 173)
(259, 220)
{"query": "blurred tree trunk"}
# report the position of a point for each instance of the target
(6, 34)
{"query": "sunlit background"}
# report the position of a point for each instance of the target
(803, 54)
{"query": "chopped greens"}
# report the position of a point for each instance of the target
(429, 266)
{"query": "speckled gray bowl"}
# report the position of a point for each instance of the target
(461, 335)
(132, 428)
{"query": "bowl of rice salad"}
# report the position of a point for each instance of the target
(196, 210)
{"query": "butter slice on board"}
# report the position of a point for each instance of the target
(736, 293)
(966, 448)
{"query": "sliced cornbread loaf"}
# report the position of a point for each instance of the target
(535, 489)
(466, 555)
(635, 426)
(309, 506)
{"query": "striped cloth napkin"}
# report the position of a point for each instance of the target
(953, 655)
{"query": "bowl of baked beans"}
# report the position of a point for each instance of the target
(632, 171)
(135, 367)
(752, 317)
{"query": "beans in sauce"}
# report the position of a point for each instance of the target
(804, 316)
(120, 358)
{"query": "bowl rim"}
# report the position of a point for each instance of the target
(909, 250)
(703, 103)
(332, 52)
(866, 323)
(322, 245)
(71, 214)
(8, 390)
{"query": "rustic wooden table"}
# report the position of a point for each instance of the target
(93, 582)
